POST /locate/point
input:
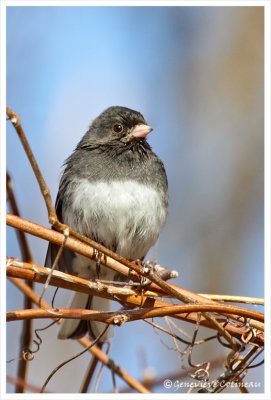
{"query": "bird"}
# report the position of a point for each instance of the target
(113, 190)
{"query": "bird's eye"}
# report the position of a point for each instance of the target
(117, 128)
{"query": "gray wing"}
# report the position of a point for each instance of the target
(65, 261)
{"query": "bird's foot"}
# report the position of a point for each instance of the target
(163, 272)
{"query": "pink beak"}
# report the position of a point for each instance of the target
(140, 131)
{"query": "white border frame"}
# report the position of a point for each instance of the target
(169, 3)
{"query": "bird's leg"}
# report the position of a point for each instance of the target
(163, 272)
(146, 267)
(153, 266)
(98, 264)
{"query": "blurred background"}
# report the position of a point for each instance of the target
(196, 74)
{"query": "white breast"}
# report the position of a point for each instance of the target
(126, 216)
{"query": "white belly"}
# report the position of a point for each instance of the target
(126, 216)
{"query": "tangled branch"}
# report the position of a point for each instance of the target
(39, 274)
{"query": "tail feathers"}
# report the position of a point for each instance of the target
(95, 327)
(75, 328)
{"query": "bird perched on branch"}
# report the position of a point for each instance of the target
(114, 191)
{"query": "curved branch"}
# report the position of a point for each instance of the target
(123, 316)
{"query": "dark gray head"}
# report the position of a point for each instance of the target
(118, 123)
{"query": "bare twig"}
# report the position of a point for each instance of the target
(61, 279)
(234, 299)
(14, 118)
(26, 334)
(123, 316)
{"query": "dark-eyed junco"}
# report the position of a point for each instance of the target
(114, 191)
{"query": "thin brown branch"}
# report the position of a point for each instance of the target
(14, 118)
(90, 372)
(123, 316)
(26, 334)
(234, 299)
(95, 350)
(23, 270)
(60, 279)
(19, 269)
